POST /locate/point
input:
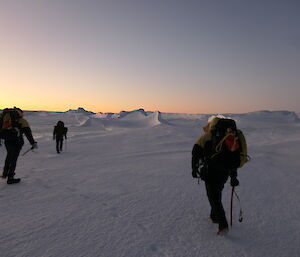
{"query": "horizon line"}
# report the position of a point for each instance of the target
(210, 113)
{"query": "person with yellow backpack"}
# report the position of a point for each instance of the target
(12, 128)
(216, 156)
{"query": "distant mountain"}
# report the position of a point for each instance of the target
(80, 110)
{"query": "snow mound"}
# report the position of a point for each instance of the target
(183, 119)
(133, 116)
(92, 122)
(135, 119)
(108, 115)
(129, 119)
(121, 114)
(140, 112)
(271, 117)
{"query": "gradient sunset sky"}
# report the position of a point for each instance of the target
(187, 56)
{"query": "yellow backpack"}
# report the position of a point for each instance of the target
(9, 123)
(228, 143)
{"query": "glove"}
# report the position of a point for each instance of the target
(195, 173)
(234, 182)
(203, 172)
(34, 146)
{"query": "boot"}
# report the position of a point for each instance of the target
(12, 180)
(223, 231)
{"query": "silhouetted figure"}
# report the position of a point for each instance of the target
(13, 126)
(59, 133)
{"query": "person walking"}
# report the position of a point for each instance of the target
(216, 155)
(13, 126)
(59, 133)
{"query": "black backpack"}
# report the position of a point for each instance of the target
(223, 151)
(60, 124)
(60, 130)
(9, 124)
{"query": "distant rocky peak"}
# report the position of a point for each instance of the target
(80, 110)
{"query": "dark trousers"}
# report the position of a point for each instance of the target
(13, 150)
(59, 144)
(214, 194)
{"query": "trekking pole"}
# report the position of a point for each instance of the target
(231, 205)
(30, 149)
(241, 211)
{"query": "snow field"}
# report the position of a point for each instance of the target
(125, 190)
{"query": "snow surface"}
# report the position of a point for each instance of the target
(123, 187)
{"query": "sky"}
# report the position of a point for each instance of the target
(182, 56)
